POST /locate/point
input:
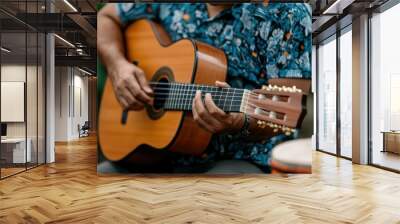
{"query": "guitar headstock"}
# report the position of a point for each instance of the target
(278, 107)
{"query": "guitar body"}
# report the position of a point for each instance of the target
(141, 135)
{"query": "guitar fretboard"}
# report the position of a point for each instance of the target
(179, 96)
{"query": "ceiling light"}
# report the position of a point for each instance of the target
(65, 41)
(338, 6)
(331, 7)
(70, 5)
(5, 50)
(84, 71)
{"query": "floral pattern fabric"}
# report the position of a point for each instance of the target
(261, 41)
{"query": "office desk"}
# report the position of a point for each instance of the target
(13, 150)
(391, 141)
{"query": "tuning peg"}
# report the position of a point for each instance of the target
(287, 133)
(296, 90)
(264, 87)
(261, 124)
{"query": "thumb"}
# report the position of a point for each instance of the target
(222, 84)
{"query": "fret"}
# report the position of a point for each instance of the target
(226, 100)
(217, 96)
(179, 96)
(184, 96)
(232, 98)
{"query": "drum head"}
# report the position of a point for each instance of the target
(293, 156)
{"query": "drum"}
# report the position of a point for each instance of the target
(293, 156)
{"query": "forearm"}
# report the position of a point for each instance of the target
(110, 40)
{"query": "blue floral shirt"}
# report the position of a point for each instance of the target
(261, 41)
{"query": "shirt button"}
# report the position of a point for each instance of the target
(186, 17)
(254, 54)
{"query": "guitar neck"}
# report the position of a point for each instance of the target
(179, 96)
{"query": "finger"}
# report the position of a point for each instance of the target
(129, 102)
(123, 102)
(213, 109)
(203, 112)
(126, 93)
(198, 119)
(136, 105)
(137, 91)
(222, 84)
(141, 77)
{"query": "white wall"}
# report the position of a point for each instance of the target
(71, 94)
(16, 73)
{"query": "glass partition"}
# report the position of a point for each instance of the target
(15, 150)
(22, 88)
(327, 96)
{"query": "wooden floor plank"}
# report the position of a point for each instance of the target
(70, 191)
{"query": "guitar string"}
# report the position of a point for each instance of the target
(246, 106)
(176, 97)
(208, 89)
(176, 91)
(197, 86)
(240, 91)
(204, 87)
(190, 97)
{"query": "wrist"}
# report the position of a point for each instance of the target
(238, 122)
(116, 66)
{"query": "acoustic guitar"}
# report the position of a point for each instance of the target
(175, 71)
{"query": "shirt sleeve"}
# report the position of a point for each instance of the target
(285, 41)
(129, 12)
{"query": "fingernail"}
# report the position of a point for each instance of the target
(148, 89)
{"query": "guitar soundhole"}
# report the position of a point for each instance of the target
(160, 84)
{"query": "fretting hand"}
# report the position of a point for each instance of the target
(212, 118)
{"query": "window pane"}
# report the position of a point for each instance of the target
(385, 85)
(346, 94)
(327, 97)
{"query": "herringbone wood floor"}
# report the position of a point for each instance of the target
(70, 191)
